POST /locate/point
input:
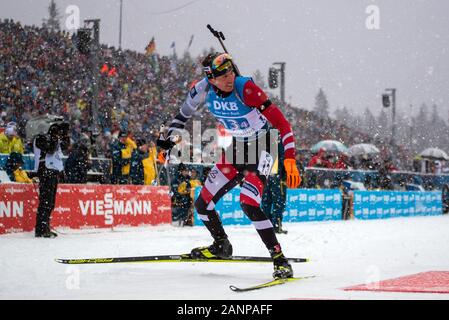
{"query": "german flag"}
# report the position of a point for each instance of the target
(151, 47)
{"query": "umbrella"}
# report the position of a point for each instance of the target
(434, 153)
(362, 148)
(330, 146)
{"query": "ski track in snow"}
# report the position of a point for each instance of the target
(342, 253)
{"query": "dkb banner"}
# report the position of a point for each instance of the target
(302, 205)
(390, 204)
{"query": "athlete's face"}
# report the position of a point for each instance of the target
(225, 82)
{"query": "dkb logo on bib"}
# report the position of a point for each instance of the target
(225, 106)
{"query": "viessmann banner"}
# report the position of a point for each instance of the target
(79, 206)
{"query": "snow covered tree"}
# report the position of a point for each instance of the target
(383, 127)
(321, 104)
(437, 129)
(260, 80)
(369, 122)
(422, 127)
(52, 23)
(344, 116)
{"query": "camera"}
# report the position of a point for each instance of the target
(45, 125)
(60, 129)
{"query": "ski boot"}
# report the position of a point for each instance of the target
(282, 269)
(278, 227)
(45, 234)
(221, 248)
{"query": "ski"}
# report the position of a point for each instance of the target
(172, 258)
(269, 284)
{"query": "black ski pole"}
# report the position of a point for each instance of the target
(220, 36)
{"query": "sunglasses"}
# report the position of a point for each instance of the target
(222, 62)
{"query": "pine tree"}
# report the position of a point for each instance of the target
(321, 104)
(52, 23)
(260, 80)
(437, 129)
(344, 116)
(369, 122)
(383, 127)
(358, 123)
(422, 127)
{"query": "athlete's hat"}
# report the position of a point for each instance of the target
(217, 64)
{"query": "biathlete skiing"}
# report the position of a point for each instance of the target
(247, 114)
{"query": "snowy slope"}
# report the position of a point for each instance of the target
(343, 254)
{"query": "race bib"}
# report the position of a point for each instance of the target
(265, 163)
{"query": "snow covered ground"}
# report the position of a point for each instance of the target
(343, 254)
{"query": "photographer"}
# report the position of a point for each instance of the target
(48, 163)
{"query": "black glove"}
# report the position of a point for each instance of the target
(64, 127)
(165, 144)
(51, 144)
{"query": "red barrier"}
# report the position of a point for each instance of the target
(79, 206)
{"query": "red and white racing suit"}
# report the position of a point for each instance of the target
(246, 113)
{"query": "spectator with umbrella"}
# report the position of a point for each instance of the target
(429, 158)
(329, 146)
(362, 155)
(320, 160)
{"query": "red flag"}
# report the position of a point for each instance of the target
(104, 69)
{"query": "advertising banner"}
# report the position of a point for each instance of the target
(313, 205)
(85, 206)
(302, 205)
(390, 204)
(228, 208)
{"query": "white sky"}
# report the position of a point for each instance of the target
(324, 43)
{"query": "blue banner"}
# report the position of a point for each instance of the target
(313, 205)
(302, 205)
(28, 161)
(391, 204)
(228, 208)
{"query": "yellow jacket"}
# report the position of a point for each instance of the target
(10, 145)
(182, 188)
(21, 176)
(126, 154)
(194, 183)
(149, 166)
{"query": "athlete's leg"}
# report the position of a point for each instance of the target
(250, 200)
(221, 179)
(267, 199)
